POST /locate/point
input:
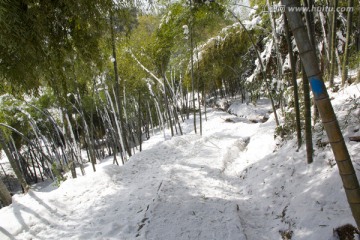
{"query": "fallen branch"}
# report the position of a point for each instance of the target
(355, 138)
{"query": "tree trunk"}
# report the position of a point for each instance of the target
(276, 43)
(118, 127)
(77, 150)
(160, 117)
(139, 122)
(192, 65)
(333, 44)
(344, 75)
(198, 90)
(309, 16)
(204, 101)
(357, 38)
(326, 44)
(187, 103)
(167, 106)
(177, 120)
(5, 195)
(182, 96)
(328, 117)
(89, 143)
(307, 113)
(13, 164)
(117, 88)
(112, 135)
(150, 118)
(294, 82)
(18, 160)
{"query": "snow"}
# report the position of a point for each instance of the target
(216, 41)
(286, 66)
(251, 111)
(234, 182)
(253, 10)
(265, 57)
(251, 24)
(342, 39)
(186, 29)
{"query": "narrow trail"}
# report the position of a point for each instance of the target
(181, 189)
(196, 198)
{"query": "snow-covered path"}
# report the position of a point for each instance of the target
(174, 189)
(195, 192)
(194, 199)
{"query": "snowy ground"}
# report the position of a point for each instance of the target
(234, 182)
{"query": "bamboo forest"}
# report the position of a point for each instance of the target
(179, 120)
